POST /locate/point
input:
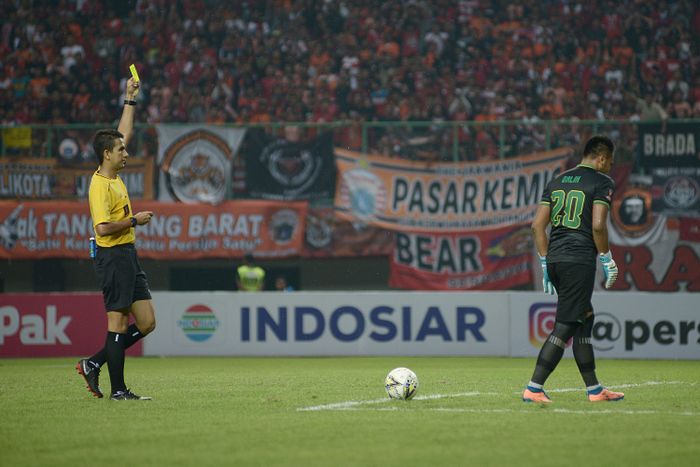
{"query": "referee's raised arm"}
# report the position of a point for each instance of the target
(126, 123)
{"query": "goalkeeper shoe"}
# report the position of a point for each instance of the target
(606, 395)
(91, 374)
(540, 397)
(127, 395)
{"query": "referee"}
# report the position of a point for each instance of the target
(123, 282)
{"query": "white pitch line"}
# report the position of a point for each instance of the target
(352, 404)
(619, 386)
(568, 411)
(357, 405)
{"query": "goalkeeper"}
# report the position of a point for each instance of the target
(576, 203)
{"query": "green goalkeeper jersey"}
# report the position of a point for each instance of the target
(571, 197)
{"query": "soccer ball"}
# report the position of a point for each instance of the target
(401, 383)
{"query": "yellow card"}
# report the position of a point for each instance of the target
(134, 73)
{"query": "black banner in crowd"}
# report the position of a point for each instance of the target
(676, 191)
(669, 145)
(280, 169)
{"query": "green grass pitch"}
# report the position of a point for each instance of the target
(334, 411)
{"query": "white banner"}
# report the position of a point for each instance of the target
(195, 162)
(627, 325)
(332, 323)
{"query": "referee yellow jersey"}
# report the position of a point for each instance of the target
(109, 202)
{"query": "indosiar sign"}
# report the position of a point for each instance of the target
(333, 323)
(627, 325)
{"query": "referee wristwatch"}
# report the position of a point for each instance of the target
(133, 221)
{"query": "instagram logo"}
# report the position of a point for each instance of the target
(541, 322)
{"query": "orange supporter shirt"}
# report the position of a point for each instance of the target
(317, 60)
(391, 48)
(623, 55)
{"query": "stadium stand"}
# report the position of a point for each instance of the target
(322, 61)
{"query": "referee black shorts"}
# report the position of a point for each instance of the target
(574, 283)
(120, 275)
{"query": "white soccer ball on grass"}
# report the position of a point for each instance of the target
(401, 383)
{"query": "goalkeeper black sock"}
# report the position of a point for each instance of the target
(133, 335)
(551, 352)
(114, 347)
(583, 353)
(547, 360)
(585, 360)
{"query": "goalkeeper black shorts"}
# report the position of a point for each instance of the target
(574, 283)
(120, 276)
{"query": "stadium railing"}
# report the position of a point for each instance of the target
(436, 141)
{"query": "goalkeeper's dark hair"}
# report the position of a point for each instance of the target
(105, 139)
(598, 145)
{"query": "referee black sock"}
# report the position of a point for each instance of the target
(133, 335)
(114, 348)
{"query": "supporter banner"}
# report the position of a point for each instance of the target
(676, 190)
(632, 220)
(53, 325)
(670, 265)
(670, 144)
(74, 145)
(328, 236)
(61, 229)
(17, 137)
(230, 229)
(487, 259)
(689, 229)
(308, 323)
(281, 169)
(415, 196)
(36, 178)
(195, 162)
(629, 325)
(662, 257)
(27, 178)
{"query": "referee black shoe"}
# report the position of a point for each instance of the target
(127, 395)
(91, 374)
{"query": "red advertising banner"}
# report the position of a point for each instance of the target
(61, 229)
(477, 260)
(53, 325)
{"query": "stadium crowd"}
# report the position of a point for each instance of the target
(62, 61)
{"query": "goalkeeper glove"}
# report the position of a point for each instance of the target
(546, 283)
(609, 268)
